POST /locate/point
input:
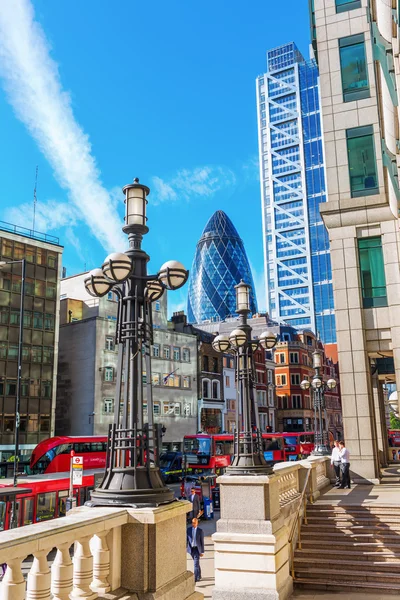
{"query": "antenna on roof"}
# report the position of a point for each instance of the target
(35, 199)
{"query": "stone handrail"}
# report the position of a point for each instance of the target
(98, 536)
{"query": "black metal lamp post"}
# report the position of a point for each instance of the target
(319, 386)
(248, 452)
(14, 512)
(132, 476)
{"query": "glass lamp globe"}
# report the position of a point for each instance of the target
(173, 275)
(254, 345)
(136, 205)
(221, 343)
(154, 290)
(305, 384)
(316, 383)
(117, 267)
(268, 340)
(331, 384)
(96, 284)
(237, 338)
(242, 297)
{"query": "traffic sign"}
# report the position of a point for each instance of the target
(77, 470)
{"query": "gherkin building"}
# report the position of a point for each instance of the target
(220, 262)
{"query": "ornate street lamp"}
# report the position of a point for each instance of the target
(319, 387)
(248, 456)
(132, 476)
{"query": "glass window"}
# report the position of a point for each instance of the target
(206, 388)
(3, 349)
(157, 408)
(38, 320)
(186, 354)
(353, 66)
(9, 424)
(215, 390)
(155, 377)
(186, 381)
(344, 5)
(52, 260)
(294, 357)
(373, 282)
(49, 322)
(11, 387)
(157, 306)
(5, 282)
(108, 373)
(14, 317)
(46, 389)
(19, 251)
(44, 424)
(46, 506)
(48, 354)
(156, 350)
(177, 353)
(30, 254)
(7, 248)
(16, 284)
(362, 164)
(26, 352)
(27, 318)
(108, 406)
(4, 315)
(168, 379)
(39, 288)
(30, 287)
(13, 351)
(51, 291)
(167, 351)
(109, 343)
(36, 353)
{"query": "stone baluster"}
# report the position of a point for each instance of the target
(101, 563)
(83, 571)
(62, 570)
(13, 584)
(39, 578)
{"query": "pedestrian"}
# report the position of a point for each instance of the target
(195, 546)
(336, 462)
(187, 488)
(195, 500)
(345, 466)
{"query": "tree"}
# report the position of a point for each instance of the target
(394, 421)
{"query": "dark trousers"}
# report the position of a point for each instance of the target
(336, 466)
(196, 559)
(345, 475)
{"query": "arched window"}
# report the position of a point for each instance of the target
(206, 388)
(215, 390)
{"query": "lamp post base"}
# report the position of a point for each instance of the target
(249, 465)
(136, 488)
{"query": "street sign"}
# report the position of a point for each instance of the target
(77, 470)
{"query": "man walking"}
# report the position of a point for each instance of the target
(195, 500)
(336, 462)
(195, 546)
(345, 466)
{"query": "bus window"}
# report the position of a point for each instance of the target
(62, 502)
(3, 506)
(290, 440)
(46, 506)
(223, 447)
(272, 444)
(27, 516)
(204, 446)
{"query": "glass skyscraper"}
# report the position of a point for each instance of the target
(220, 262)
(296, 246)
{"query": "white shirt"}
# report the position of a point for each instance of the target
(344, 455)
(335, 455)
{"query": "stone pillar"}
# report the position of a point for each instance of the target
(13, 584)
(101, 564)
(61, 570)
(83, 571)
(251, 543)
(39, 578)
(154, 562)
(381, 430)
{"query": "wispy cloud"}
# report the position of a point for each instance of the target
(34, 89)
(251, 169)
(189, 183)
(49, 215)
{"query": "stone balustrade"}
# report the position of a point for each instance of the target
(115, 550)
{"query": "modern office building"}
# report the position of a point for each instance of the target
(43, 254)
(220, 262)
(88, 363)
(296, 246)
(357, 47)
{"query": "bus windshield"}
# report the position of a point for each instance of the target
(166, 460)
(291, 440)
(198, 445)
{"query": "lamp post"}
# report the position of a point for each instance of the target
(132, 475)
(248, 456)
(319, 387)
(14, 515)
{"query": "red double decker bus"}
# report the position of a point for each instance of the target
(54, 454)
(43, 497)
(298, 444)
(213, 452)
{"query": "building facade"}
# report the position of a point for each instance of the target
(357, 47)
(296, 246)
(40, 336)
(88, 363)
(230, 392)
(220, 262)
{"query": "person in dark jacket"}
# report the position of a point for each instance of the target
(195, 546)
(195, 500)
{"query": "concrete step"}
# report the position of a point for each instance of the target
(349, 536)
(337, 517)
(354, 554)
(342, 544)
(348, 565)
(381, 529)
(353, 576)
(337, 586)
(354, 508)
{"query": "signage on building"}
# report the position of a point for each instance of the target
(77, 470)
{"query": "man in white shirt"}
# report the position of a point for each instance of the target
(336, 462)
(345, 460)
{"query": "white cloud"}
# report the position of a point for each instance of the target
(188, 183)
(34, 89)
(49, 215)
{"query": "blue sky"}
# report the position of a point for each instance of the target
(96, 93)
